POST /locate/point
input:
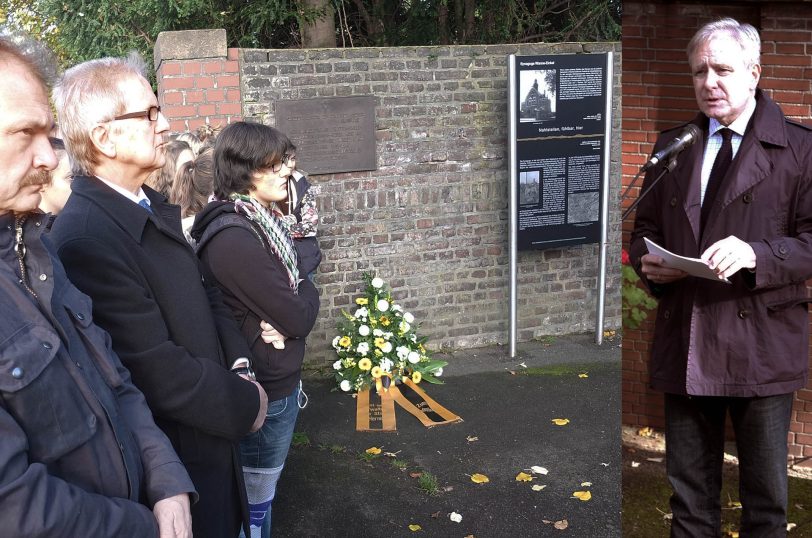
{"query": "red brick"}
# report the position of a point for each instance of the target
(213, 66)
(177, 83)
(233, 95)
(176, 111)
(172, 98)
(231, 66)
(204, 82)
(206, 110)
(169, 68)
(233, 54)
(191, 68)
(227, 109)
(194, 96)
(228, 81)
(214, 96)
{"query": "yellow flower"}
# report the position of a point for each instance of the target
(416, 377)
(365, 364)
(345, 341)
(421, 348)
(378, 353)
(376, 372)
(361, 301)
(385, 321)
(379, 342)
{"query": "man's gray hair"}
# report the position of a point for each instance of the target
(744, 34)
(89, 94)
(36, 57)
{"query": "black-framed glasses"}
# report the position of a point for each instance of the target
(286, 160)
(151, 114)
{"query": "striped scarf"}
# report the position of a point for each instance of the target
(275, 231)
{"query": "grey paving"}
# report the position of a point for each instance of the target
(507, 404)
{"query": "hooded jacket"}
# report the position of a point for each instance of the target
(254, 283)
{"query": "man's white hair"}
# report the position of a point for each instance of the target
(89, 94)
(744, 34)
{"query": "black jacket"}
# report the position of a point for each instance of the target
(255, 285)
(171, 329)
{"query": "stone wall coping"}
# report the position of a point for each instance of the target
(190, 44)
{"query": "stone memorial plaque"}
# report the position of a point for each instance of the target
(331, 134)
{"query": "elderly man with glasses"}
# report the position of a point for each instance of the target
(122, 244)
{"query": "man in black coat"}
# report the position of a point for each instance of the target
(122, 244)
(80, 454)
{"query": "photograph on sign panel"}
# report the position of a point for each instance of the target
(529, 188)
(539, 90)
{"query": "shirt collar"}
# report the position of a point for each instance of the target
(125, 193)
(739, 125)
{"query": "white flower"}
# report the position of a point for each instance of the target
(363, 348)
(345, 385)
(438, 372)
(377, 282)
(335, 341)
(455, 517)
(386, 365)
(408, 317)
(361, 313)
(413, 337)
(404, 326)
(387, 347)
(397, 308)
(414, 357)
(402, 352)
(377, 332)
(387, 335)
(363, 330)
(337, 365)
(383, 305)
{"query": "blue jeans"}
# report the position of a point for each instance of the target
(695, 436)
(263, 457)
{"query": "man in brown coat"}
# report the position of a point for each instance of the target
(741, 199)
(79, 452)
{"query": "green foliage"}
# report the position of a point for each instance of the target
(635, 300)
(79, 30)
(428, 483)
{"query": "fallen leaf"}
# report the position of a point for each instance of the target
(733, 534)
(538, 487)
(523, 365)
(546, 521)
(655, 460)
(469, 536)
(586, 484)
(415, 528)
(582, 495)
(512, 372)
(734, 504)
(435, 515)
(471, 438)
(635, 464)
(609, 333)
(523, 477)
(791, 526)
(561, 421)
(538, 470)
(668, 517)
(455, 517)
(583, 375)
(605, 464)
(373, 450)
(448, 488)
(392, 454)
(416, 474)
(561, 525)
(479, 478)
(645, 432)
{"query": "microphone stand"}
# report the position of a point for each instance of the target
(672, 163)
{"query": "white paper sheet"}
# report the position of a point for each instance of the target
(692, 266)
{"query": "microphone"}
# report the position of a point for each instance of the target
(686, 138)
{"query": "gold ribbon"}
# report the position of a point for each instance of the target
(388, 399)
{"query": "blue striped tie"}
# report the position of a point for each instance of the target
(145, 204)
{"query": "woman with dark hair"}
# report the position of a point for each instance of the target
(192, 188)
(246, 247)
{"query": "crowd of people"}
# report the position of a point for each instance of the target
(156, 293)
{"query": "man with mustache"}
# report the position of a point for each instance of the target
(80, 454)
(122, 244)
(741, 199)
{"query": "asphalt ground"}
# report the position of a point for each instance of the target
(331, 487)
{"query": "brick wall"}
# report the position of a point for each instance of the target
(657, 93)
(432, 220)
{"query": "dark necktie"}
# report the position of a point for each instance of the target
(717, 174)
(143, 203)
